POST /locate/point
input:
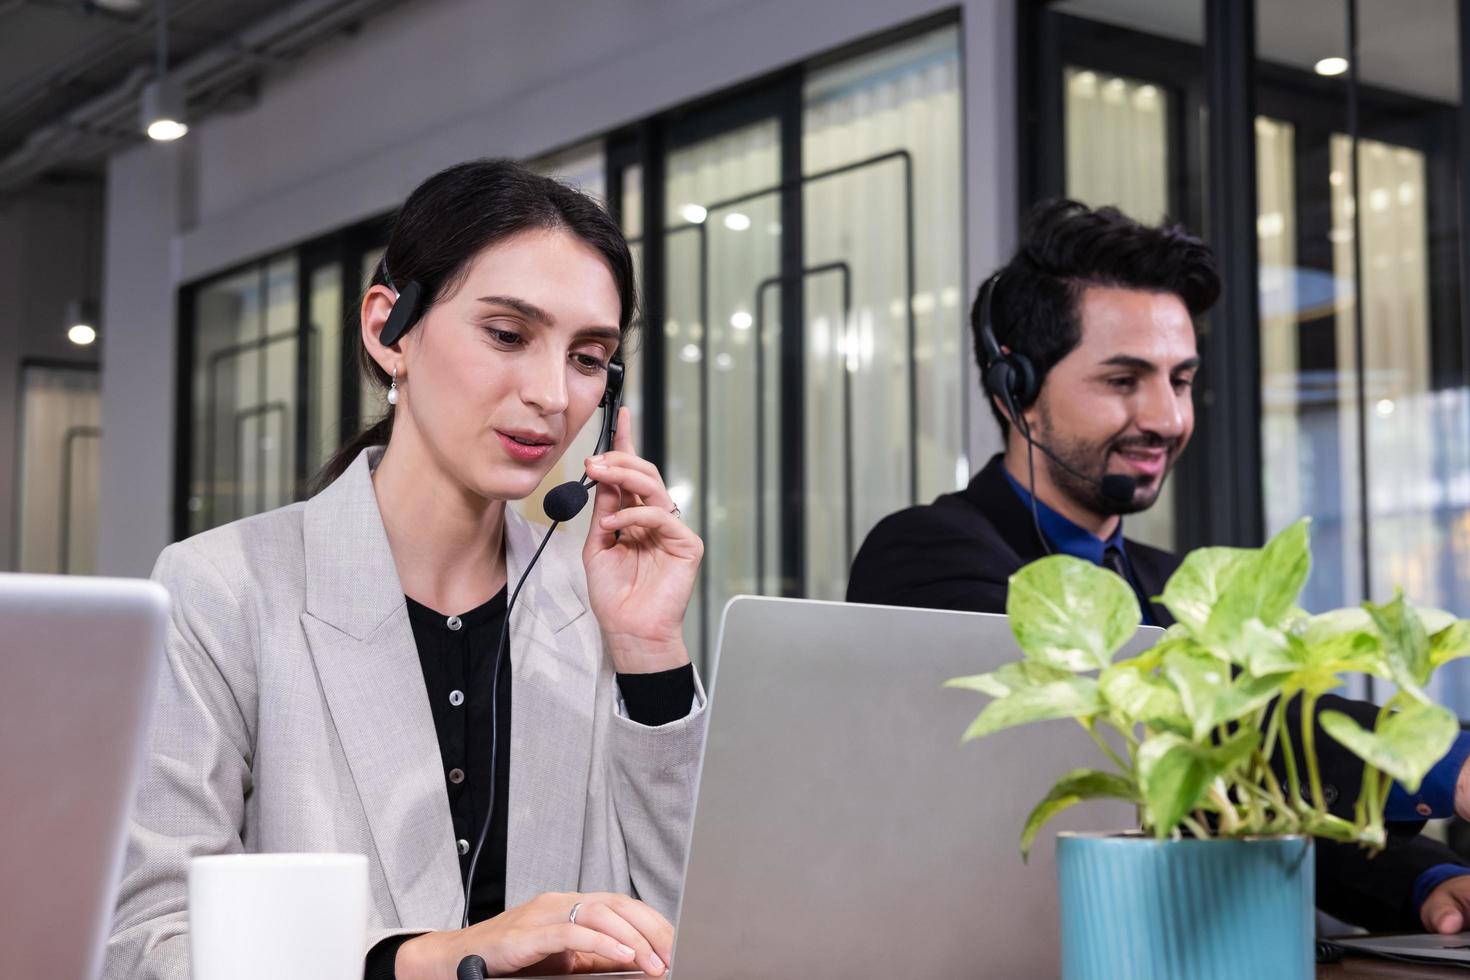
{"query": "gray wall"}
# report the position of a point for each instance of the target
(351, 131)
(50, 253)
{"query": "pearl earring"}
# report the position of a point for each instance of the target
(393, 389)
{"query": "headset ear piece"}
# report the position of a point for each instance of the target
(1023, 380)
(404, 314)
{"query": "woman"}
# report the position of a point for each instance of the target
(332, 670)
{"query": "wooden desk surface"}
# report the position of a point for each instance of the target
(1368, 968)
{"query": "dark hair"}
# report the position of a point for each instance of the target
(1067, 246)
(454, 216)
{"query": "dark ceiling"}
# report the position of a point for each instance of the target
(56, 55)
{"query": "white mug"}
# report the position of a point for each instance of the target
(283, 916)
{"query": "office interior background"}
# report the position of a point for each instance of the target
(814, 191)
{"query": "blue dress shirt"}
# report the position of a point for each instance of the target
(1436, 796)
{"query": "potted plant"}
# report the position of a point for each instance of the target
(1218, 878)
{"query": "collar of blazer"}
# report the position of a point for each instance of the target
(352, 581)
(362, 644)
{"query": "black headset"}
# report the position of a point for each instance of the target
(1011, 377)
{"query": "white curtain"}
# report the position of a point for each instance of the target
(1404, 440)
(61, 416)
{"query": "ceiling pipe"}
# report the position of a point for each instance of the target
(108, 123)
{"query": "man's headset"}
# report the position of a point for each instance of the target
(1012, 378)
(1009, 376)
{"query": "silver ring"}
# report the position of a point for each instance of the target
(677, 512)
(572, 916)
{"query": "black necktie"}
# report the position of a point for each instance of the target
(1113, 561)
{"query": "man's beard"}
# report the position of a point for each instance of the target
(1092, 458)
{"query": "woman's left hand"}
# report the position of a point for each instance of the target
(641, 560)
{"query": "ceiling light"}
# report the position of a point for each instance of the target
(81, 322)
(162, 101)
(694, 214)
(163, 110)
(741, 320)
(736, 221)
(1331, 66)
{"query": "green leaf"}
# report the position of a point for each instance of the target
(1142, 698)
(1450, 643)
(1270, 592)
(1211, 697)
(1074, 697)
(1070, 614)
(1009, 678)
(1200, 580)
(1405, 643)
(1174, 773)
(1073, 788)
(1406, 744)
(1268, 650)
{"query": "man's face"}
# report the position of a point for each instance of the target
(1122, 400)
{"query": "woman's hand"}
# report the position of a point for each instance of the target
(641, 560)
(612, 932)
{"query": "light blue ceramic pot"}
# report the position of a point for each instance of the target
(1143, 909)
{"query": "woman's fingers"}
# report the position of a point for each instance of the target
(678, 539)
(575, 938)
(646, 919)
(637, 481)
(623, 437)
(598, 915)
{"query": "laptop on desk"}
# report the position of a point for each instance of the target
(842, 830)
(78, 662)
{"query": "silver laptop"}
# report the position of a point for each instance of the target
(1418, 946)
(841, 828)
(78, 662)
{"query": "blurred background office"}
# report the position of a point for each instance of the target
(814, 190)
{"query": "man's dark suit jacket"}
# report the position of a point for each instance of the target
(960, 552)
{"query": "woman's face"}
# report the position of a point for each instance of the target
(497, 378)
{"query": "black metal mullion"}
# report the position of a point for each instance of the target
(655, 296)
(1365, 541)
(793, 345)
(186, 325)
(304, 270)
(1463, 149)
(1234, 448)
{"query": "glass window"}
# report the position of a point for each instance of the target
(885, 319)
(1372, 419)
(244, 393)
(808, 393)
(60, 456)
(718, 258)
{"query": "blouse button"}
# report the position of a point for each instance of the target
(456, 776)
(453, 623)
(463, 845)
(456, 698)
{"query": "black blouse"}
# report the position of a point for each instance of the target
(456, 654)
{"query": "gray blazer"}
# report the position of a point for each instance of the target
(292, 716)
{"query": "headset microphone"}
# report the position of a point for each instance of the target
(1115, 488)
(566, 500)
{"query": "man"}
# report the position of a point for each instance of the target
(1087, 349)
